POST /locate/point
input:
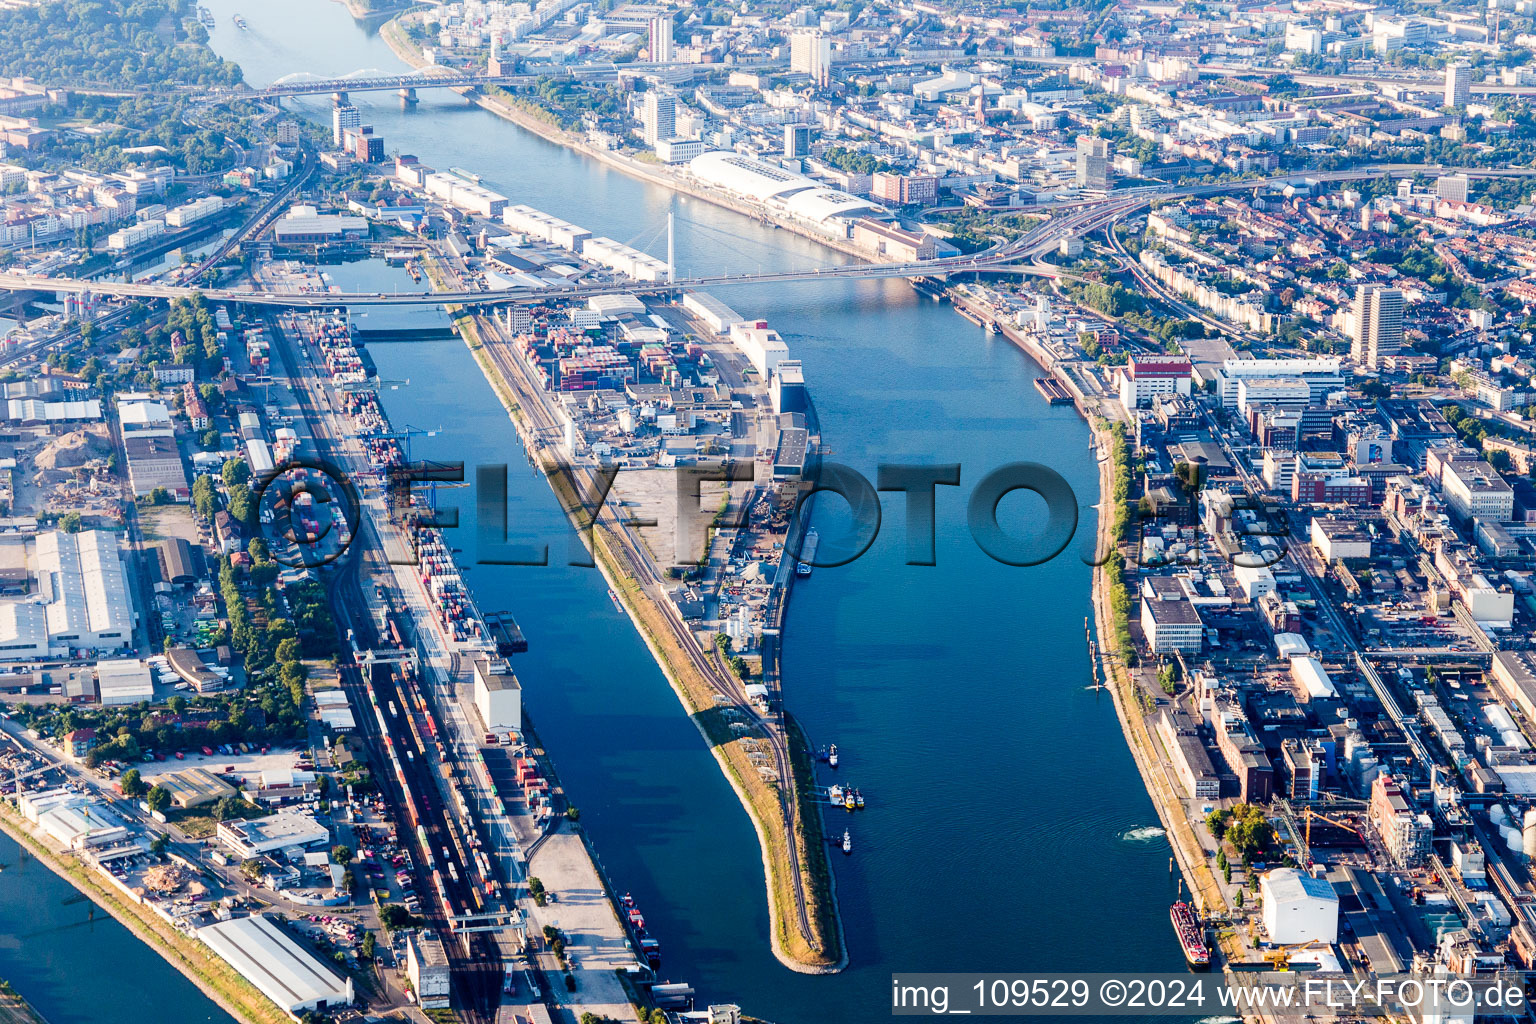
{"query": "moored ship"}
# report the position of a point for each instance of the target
(1186, 925)
(807, 552)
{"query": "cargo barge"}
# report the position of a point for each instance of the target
(1191, 933)
(1054, 391)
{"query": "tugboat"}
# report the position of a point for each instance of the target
(1186, 925)
(858, 799)
(847, 842)
(240, 23)
(848, 800)
(832, 755)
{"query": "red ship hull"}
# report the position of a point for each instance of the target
(1186, 925)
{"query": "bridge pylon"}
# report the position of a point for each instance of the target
(408, 96)
(339, 97)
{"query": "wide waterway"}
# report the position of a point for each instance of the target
(75, 964)
(1007, 828)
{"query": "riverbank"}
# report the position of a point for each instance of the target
(16, 1010)
(215, 978)
(823, 951)
(403, 48)
(1145, 750)
(1187, 849)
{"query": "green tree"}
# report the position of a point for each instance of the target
(71, 522)
(159, 798)
(341, 854)
(236, 472)
(132, 783)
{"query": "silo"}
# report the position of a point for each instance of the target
(1512, 839)
(1497, 815)
(1528, 843)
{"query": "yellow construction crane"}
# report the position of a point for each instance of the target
(1309, 814)
(1280, 957)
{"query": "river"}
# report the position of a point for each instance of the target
(1007, 828)
(75, 964)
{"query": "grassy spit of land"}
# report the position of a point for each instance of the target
(217, 980)
(824, 952)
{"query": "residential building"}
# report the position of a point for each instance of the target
(811, 53)
(1458, 84)
(659, 116)
(1092, 162)
(1376, 322)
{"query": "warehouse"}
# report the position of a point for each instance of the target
(426, 965)
(266, 835)
(279, 968)
(77, 595)
(1308, 672)
(195, 787)
(1298, 907)
(498, 696)
(155, 462)
(123, 681)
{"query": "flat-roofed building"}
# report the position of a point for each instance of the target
(1336, 538)
(194, 787)
(498, 696)
(277, 966)
(1474, 490)
(426, 965)
(123, 681)
(1190, 760)
(263, 835)
(1171, 625)
(1515, 672)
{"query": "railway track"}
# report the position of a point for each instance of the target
(414, 797)
(720, 680)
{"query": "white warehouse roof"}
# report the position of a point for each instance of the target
(276, 965)
(83, 578)
(746, 175)
(124, 681)
(818, 204)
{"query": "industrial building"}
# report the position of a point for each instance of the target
(498, 696)
(1190, 760)
(426, 965)
(195, 787)
(1336, 539)
(1298, 907)
(264, 835)
(77, 595)
(123, 681)
(277, 966)
(1171, 625)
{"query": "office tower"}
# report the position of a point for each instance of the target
(1452, 187)
(661, 39)
(1458, 84)
(797, 140)
(1377, 324)
(344, 117)
(660, 116)
(811, 52)
(1092, 162)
